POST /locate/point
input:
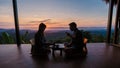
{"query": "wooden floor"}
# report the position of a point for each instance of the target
(99, 56)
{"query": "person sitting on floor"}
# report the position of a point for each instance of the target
(40, 47)
(77, 44)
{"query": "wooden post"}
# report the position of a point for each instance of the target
(119, 30)
(110, 13)
(115, 40)
(16, 22)
(119, 22)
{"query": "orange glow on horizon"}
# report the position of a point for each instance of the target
(33, 23)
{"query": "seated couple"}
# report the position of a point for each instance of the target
(76, 45)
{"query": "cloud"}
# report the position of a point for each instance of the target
(40, 21)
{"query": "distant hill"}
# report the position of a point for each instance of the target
(56, 33)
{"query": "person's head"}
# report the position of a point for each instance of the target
(73, 26)
(42, 27)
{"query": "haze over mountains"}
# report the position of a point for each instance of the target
(56, 32)
(57, 29)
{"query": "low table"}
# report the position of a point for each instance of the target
(59, 47)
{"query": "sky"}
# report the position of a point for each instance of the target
(54, 13)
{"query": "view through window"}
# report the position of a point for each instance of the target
(90, 16)
(7, 28)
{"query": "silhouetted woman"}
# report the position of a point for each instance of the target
(40, 47)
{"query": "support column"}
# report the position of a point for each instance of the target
(115, 40)
(111, 4)
(16, 22)
(119, 23)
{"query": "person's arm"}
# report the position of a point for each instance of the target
(71, 36)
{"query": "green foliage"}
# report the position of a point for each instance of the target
(114, 1)
(87, 35)
(23, 38)
(112, 37)
(7, 39)
(98, 38)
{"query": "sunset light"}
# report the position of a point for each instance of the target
(54, 13)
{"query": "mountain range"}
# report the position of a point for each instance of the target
(56, 33)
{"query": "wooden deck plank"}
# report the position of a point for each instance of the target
(99, 56)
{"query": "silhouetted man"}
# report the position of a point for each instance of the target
(77, 39)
